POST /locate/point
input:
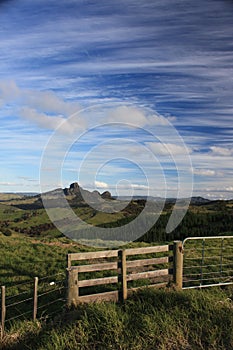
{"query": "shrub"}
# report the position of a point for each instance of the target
(7, 232)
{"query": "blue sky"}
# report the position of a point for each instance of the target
(149, 69)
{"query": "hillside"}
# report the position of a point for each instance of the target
(27, 234)
(10, 196)
(33, 246)
(187, 320)
(26, 215)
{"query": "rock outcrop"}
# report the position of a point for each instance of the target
(80, 194)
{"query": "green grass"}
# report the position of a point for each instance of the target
(26, 257)
(209, 260)
(161, 319)
(102, 218)
(22, 259)
(165, 320)
(45, 257)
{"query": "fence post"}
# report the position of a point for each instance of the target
(3, 313)
(73, 289)
(178, 264)
(35, 298)
(123, 274)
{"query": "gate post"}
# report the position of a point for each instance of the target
(73, 289)
(3, 311)
(178, 264)
(122, 276)
(35, 298)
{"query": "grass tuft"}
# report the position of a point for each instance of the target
(150, 319)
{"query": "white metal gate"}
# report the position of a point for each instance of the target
(208, 261)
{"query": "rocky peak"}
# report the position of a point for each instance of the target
(106, 195)
(72, 190)
(74, 186)
(76, 192)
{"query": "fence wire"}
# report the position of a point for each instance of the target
(50, 298)
(208, 261)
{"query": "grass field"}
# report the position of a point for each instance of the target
(32, 247)
(26, 257)
(163, 320)
(150, 319)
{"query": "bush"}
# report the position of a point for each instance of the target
(7, 232)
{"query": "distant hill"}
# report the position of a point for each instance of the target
(27, 214)
(79, 197)
(199, 200)
(134, 198)
(194, 200)
(28, 194)
(74, 194)
(77, 193)
(9, 196)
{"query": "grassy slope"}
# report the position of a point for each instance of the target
(10, 196)
(28, 218)
(158, 320)
(25, 257)
(165, 320)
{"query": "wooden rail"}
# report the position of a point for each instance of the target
(119, 268)
(125, 266)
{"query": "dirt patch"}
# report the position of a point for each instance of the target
(56, 244)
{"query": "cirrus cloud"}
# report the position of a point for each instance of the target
(204, 172)
(164, 149)
(221, 151)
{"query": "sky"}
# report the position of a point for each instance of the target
(127, 96)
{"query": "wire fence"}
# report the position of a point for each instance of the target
(198, 262)
(208, 261)
(38, 298)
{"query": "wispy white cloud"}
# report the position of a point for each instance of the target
(101, 184)
(175, 58)
(9, 91)
(48, 101)
(130, 115)
(11, 184)
(221, 151)
(204, 172)
(165, 149)
(41, 119)
(35, 107)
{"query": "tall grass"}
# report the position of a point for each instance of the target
(161, 319)
(25, 257)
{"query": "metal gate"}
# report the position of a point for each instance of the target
(207, 261)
